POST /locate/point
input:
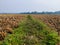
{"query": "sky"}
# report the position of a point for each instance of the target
(17, 6)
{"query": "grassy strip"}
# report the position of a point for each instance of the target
(32, 32)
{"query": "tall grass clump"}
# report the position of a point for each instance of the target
(32, 32)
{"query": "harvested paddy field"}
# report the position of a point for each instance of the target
(29, 29)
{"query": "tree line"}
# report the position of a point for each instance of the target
(35, 12)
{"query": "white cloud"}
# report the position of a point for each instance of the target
(29, 5)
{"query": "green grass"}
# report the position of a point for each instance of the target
(31, 32)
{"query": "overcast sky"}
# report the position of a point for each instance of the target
(16, 6)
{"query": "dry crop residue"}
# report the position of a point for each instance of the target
(7, 23)
(52, 21)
